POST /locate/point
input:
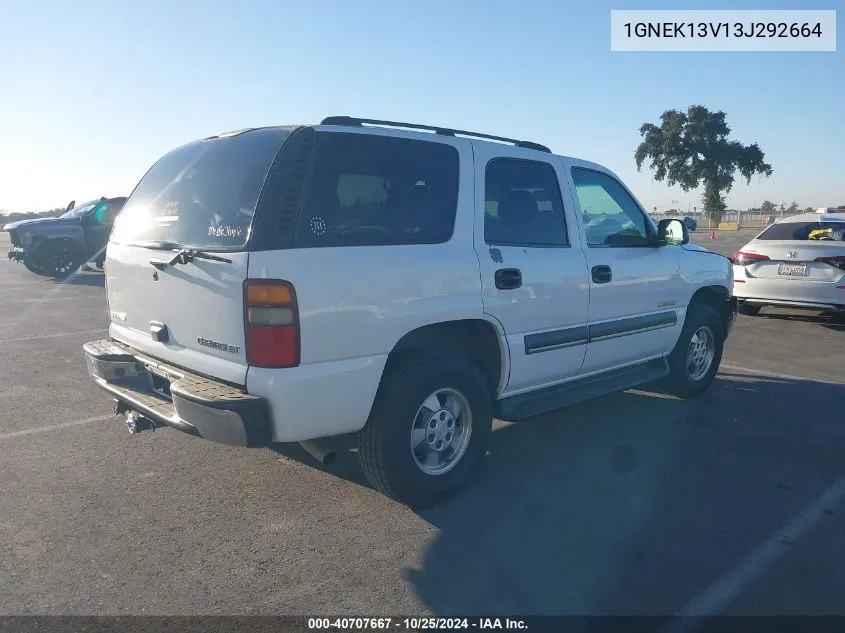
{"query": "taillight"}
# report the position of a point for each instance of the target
(741, 258)
(837, 261)
(272, 323)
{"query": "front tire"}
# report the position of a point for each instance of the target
(427, 434)
(695, 360)
(33, 266)
(60, 260)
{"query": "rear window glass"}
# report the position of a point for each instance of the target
(833, 231)
(374, 190)
(203, 194)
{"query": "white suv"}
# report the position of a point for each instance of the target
(399, 282)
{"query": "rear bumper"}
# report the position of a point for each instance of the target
(171, 396)
(812, 294)
(797, 305)
(827, 296)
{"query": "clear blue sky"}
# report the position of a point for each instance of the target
(92, 92)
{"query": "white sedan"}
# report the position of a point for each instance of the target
(798, 262)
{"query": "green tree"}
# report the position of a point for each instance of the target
(792, 209)
(693, 148)
(768, 208)
(809, 210)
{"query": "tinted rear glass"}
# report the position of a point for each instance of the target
(371, 190)
(203, 194)
(834, 231)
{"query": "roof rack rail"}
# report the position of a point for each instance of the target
(348, 120)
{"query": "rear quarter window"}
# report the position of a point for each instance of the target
(369, 190)
(798, 231)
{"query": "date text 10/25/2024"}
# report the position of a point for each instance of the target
(415, 624)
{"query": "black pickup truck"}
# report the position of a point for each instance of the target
(59, 246)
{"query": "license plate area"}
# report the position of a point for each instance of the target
(792, 270)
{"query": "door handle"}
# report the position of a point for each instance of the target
(508, 278)
(602, 274)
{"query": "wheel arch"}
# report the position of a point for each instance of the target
(479, 339)
(718, 298)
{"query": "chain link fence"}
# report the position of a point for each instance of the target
(751, 218)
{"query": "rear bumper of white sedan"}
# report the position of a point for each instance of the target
(789, 293)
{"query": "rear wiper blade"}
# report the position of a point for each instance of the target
(186, 255)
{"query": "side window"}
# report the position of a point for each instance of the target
(370, 190)
(102, 214)
(611, 217)
(523, 206)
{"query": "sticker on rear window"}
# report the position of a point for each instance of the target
(318, 226)
(171, 208)
(225, 231)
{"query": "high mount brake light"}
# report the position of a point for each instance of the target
(271, 319)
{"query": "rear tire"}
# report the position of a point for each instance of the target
(748, 309)
(695, 360)
(396, 445)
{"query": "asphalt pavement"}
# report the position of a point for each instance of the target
(631, 504)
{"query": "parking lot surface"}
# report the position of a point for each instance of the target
(631, 504)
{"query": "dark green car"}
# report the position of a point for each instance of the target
(59, 246)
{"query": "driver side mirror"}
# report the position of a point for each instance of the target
(672, 232)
